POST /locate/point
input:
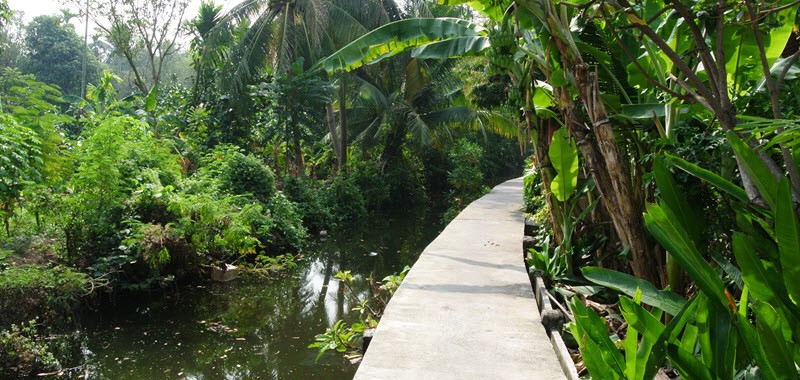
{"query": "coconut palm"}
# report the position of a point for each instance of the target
(279, 32)
(409, 100)
(271, 35)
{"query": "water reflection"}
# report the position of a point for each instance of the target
(253, 329)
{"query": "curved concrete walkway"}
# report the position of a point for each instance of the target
(466, 309)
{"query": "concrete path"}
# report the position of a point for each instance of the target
(466, 309)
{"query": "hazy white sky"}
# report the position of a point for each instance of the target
(33, 8)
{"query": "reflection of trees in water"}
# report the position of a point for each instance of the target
(397, 238)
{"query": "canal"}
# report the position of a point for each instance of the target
(253, 328)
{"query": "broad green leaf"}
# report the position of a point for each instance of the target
(564, 157)
(397, 37)
(672, 195)
(754, 347)
(150, 101)
(722, 343)
(787, 232)
(630, 346)
(768, 326)
(662, 223)
(558, 78)
(688, 366)
(742, 55)
(643, 110)
(650, 354)
(627, 284)
(453, 47)
(777, 68)
(542, 97)
(767, 184)
(681, 323)
(601, 355)
(689, 338)
(710, 177)
(778, 36)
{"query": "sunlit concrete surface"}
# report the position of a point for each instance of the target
(466, 309)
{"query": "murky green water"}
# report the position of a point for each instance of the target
(254, 328)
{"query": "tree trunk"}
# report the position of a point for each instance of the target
(331, 118)
(545, 169)
(620, 200)
(393, 143)
(297, 160)
(343, 122)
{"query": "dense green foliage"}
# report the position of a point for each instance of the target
(129, 165)
(662, 141)
(25, 352)
(606, 91)
(55, 54)
(248, 175)
(47, 293)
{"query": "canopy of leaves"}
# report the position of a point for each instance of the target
(55, 54)
(20, 158)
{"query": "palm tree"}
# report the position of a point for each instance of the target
(274, 34)
(418, 101)
(279, 32)
(296, 100)
(208, 46)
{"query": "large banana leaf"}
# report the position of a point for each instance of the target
(625, 283)
(452, 47)
(742, 53)
(399, 36)
(564, 156)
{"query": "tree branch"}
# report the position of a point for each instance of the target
(792, 60)
(701, 46)
(691, 76)
(641, 69)
(774, 97)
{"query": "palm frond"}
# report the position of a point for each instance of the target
(419, 130)
(249, 57)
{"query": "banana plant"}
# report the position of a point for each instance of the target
(646, 342)
(441, 37)
(732, 330)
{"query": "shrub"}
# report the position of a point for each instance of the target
(29, 291)
(24, 352)
(150, 202)
(216, 229)
(405, 180)
(118, 157)
(308, 196)
(466, 176)
(371, 184)
(248, 175)
(288, 232)
(345, 200)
